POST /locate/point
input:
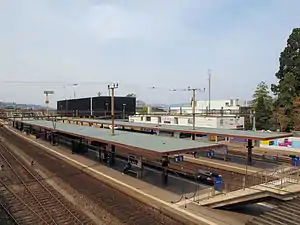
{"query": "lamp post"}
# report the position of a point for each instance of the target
(112, 87)
(47, 93)
(75, 85)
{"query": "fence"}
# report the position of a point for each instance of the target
(280, 177)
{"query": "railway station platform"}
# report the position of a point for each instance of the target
(147, 193)
(224, 165)
(178, 130)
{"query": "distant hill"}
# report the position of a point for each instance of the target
(171, 105)
(12, 105)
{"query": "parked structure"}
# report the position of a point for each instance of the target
(226, 122)
(97, 106)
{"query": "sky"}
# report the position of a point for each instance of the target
(166, 44)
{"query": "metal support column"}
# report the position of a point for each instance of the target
(193, 137)
(111, 155)
(249, 147)
(165, 163)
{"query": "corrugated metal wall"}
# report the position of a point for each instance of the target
(101, 106)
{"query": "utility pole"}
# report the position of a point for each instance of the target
(112, 87)
(209, 89)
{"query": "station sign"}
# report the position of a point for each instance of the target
(135, 161)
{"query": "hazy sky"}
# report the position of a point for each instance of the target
(166, 43)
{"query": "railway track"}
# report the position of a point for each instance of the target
(28, 199)
(238, 149)
(123, 207)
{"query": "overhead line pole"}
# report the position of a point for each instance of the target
(193, 101)
(209, 89)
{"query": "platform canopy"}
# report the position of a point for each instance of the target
(253, 135)
(142, 143)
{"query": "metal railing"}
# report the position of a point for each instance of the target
(279, 177)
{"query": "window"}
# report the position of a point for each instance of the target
(159, 119)
(221, 122)
(148, 118)
(176, 120)
(142, 118)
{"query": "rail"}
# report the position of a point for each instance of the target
(21, 200)
(23, 183)
(9, 214)
(38, 181)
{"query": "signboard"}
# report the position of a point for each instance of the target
(135, 161)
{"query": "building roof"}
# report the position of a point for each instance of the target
(149, 144)
(253, 135)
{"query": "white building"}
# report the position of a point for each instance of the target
(202, 106)
(226, 122)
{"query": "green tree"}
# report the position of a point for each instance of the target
(144, 110)
(262, 105)
(288, 86)
(296, 114)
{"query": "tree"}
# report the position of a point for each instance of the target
(281, 120)
(262, 105)
(131, 95)
(144, 110)
(296, 113)
(288, 86)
